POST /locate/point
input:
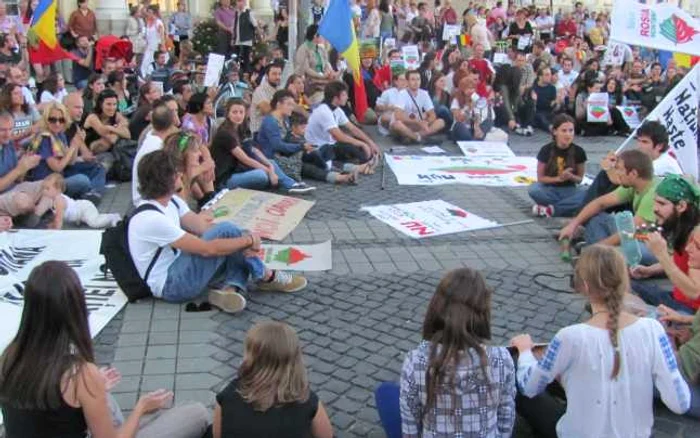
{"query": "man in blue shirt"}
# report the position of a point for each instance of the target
(82, 68)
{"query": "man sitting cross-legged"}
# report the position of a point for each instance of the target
(416, 119)
(196, 255)
(677, 210)
(635, 173)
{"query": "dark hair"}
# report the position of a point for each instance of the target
(157, 53)
(238, 131)
(162, 100)
(384, 6)
(6, 98)
(332, 90)
(446, 67)
(458, 320)
(431, 87)
(677, 231)
(412, 72)
(311, 32)
(88, 93)
(162, 117)
(51, 83)
(656, 131)
(133, 9)
(552, 167)
(114, 77)
(53, 340)
(508, 79)
(617, 94)
(279, 97)
(636, 160)
(107, 93)
(275, 64)
(143, 91)
(297, 119)
(427, 59)
(156, 174)
(3, 39)
(196, 103)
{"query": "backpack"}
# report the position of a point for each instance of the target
(124, 153)
(115, 248)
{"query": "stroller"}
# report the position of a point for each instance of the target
(110, 46)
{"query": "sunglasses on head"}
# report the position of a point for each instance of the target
(57, 120)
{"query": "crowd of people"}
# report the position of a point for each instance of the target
(273, 123)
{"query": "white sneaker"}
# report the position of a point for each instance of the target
(520, 131)
(227, 299)
(529, 131)
(300, 188)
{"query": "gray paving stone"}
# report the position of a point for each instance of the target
(160, 381)
(129, 353)
(159, 366)
(161, 352)
(196, 365)
(163, 338)
(195, 381)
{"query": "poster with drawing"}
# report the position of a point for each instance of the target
(485, 149)
(428, 218)
(597, 110)
(631, 115)
(314, 257)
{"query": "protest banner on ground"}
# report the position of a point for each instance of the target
(425, 170)
(660, 26)
(22, 251)
(428, 218)
(630, 114)
(267, 214)
(678, 112)
(316, 257)
(597, 110)
(485, 149)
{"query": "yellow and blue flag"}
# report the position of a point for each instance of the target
(338, 28)
(44, 47)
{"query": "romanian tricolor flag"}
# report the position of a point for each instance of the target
(43, 41)
(337, 27)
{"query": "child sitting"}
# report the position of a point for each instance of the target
(71, 210)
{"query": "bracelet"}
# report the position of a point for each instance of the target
(252, 241)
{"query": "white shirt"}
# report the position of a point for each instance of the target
(28, 96)
(566, 79)
(150, 144)
(47, 96)
(545, 24)
(321, 121)
(72, 212)
(667, 165)
(598, 406)
(150, 230)
(390, 97)
(417, 105)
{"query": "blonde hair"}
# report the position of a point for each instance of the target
(604, 272)
(55, 106)
(57, 180)
(273, 371)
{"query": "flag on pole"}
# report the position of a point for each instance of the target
(337, 27)
(44, 47)
(678, 112)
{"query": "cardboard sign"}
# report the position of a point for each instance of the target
(428, 218)
(597, 110)
(269, 215)
(425, 170)
(411, 57)
(451, 31)
(215, 65)
(317, 257)
(485, 149)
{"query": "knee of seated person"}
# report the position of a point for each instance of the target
(23, 203)
(534, 190)
(226, 229)
(197, 413)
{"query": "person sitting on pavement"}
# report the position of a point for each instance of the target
(444, 380)
(200, 117)
(295, 85)
(194, 161)
(472, 114)
(561, 166)
(416, 120)
(117, 82)
(95, 85)
(199, 258)
(270, 395)
(389, 102)
(105, 126)
(637, 187)
(239, 164)
(25, 116)
(677, 211)
(260, 104)
(148, 93)
(336, 137)
(164, 122)
(84, 179)
(608, 366)
(72, 396)
(54, 89)
(75, 131)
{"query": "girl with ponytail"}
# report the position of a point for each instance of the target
(608, 366)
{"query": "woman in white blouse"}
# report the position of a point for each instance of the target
(608, 366)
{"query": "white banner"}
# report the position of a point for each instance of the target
(631, 115)
(659, 26)
(428, 218)
(597, 110)
(678, 112)
(316, 257)
(425, 170)
(22, 251)
(411, 57)
(485, 149)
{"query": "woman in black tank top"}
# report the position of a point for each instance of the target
(50, 386)
(105, 126)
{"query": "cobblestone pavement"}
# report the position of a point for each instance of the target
(357, 321)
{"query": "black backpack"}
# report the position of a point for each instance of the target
(124, 153)
(115, 248)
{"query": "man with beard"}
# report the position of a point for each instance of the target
(677, 210)
(262, 96)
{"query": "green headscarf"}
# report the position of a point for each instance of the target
(676, 188)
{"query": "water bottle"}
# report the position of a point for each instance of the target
(624, 222)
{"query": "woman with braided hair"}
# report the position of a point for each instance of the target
(608, 366)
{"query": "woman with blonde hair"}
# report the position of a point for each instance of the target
(197, 167)
(608, 366)
(271, 395)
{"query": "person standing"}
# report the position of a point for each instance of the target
(135, 31)
(155, 38)
(180, 26)
(243, 32)
(83, 22)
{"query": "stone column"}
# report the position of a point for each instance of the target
(262, 10)
(111, 16)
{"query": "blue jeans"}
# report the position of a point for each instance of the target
(464, 132)
(190, 274)
(564, 199)
(257, 179)
(386, 397)
(444, 113)
(653, 295)
(83, 177)
(602, 226)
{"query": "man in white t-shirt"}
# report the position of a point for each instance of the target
(389, 102)
(334, 135)
(416, 119)
(163, 123)
(181, 255)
